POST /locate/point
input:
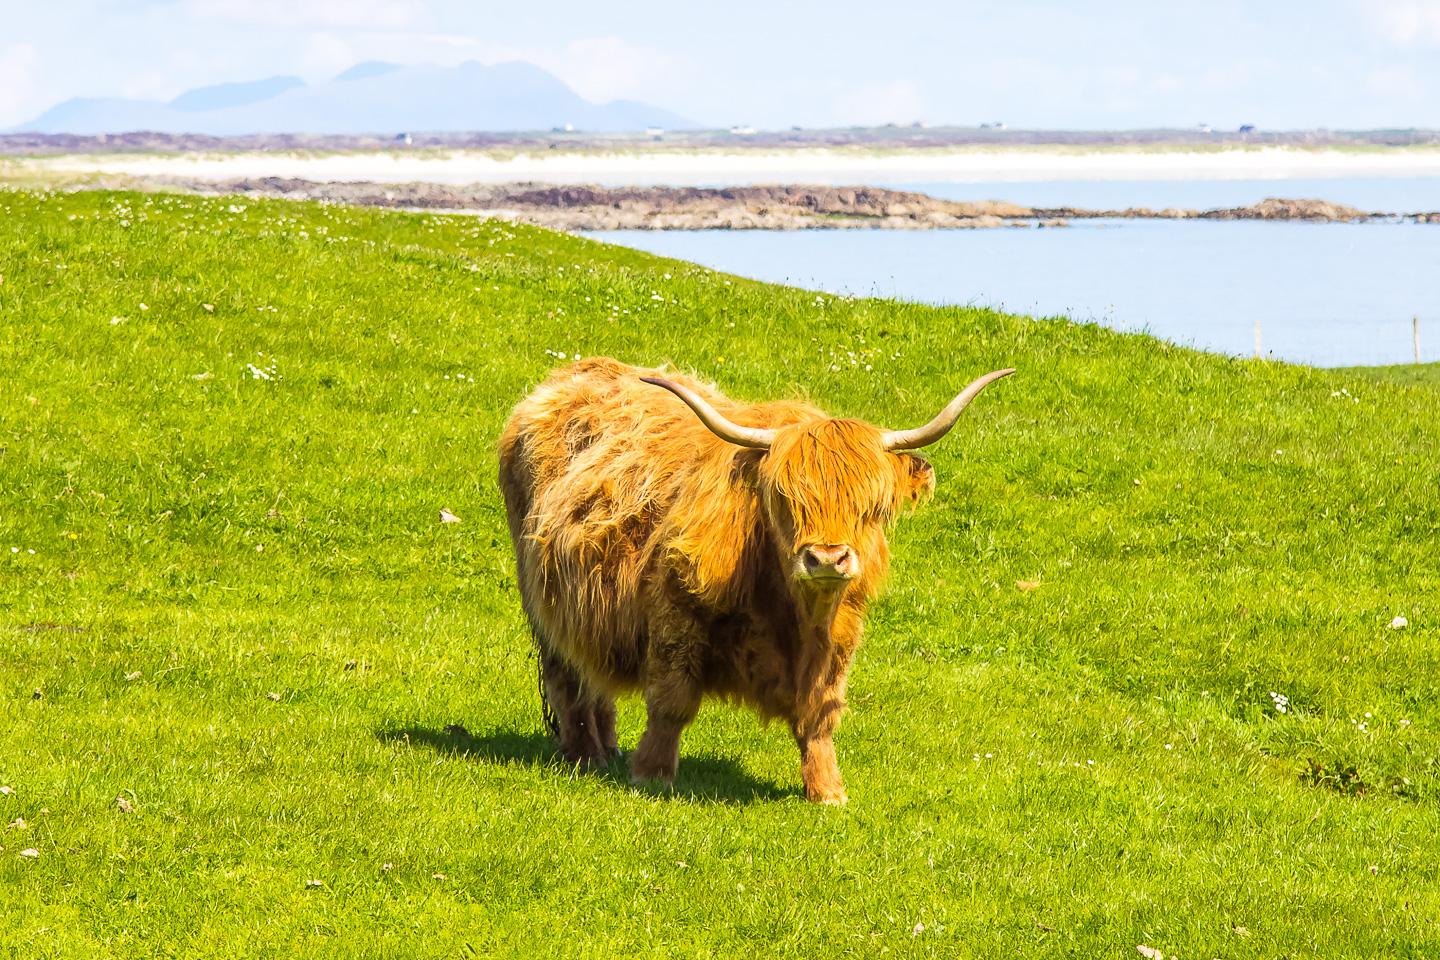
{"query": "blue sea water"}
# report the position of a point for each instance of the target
(1331, 294)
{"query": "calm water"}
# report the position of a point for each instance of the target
(1324, 294)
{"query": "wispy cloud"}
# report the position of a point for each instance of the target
(369, 14)
(895, 101)
(1396, 82)
(324, 55)
(610, 67)
(19, 65)
(1406, 22)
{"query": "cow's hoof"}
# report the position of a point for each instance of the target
(653, 785)
(661, 779)
(830, 798)
(587, 761)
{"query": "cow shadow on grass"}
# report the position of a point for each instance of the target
(708, 778)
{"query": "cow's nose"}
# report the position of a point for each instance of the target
(830, 561)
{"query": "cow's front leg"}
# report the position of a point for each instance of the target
(670, 704)
(820, 771)
(672, 687)
(817, 714)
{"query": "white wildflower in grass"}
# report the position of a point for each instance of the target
(263, 370)
(1399, 623)
(1281, 702)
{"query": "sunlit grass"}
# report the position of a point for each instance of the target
(243, 615)
(1407, 374)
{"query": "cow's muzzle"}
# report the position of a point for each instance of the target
(822, 563)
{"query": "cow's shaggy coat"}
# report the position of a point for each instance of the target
(654, 556)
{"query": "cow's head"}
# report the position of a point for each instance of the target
(830, 487)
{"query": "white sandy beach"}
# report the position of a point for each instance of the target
(821, 166)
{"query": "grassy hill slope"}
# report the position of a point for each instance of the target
(228, 429)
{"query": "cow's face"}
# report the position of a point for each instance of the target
(829, 489)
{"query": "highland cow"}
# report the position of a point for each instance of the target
(676, 543)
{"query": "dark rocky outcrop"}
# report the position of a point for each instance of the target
(783, 207)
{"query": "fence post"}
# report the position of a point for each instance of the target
(1258, 352)
(1415, 332)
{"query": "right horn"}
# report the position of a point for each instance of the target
(937, 428)
(720, 425)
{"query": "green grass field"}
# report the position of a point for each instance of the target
(227, 430)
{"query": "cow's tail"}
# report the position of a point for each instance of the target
(547, 713)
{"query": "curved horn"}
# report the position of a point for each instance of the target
(937, 428)
(719, 425)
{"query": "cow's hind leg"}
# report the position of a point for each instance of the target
(583, 718)
(604, 716)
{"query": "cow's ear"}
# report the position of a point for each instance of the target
(917, 478)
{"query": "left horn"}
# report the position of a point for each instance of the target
(721, 426)
(937, 428)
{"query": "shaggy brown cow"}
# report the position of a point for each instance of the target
(674, 542)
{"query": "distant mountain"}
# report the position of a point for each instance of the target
(366, 70)
(224, 95)
(367, 98)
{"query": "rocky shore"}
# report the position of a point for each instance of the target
(580, 208)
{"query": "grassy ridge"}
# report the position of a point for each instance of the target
(228, 428)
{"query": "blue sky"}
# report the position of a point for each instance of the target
(1032, 63)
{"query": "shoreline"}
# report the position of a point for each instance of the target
(587, 208)
(700, 167)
